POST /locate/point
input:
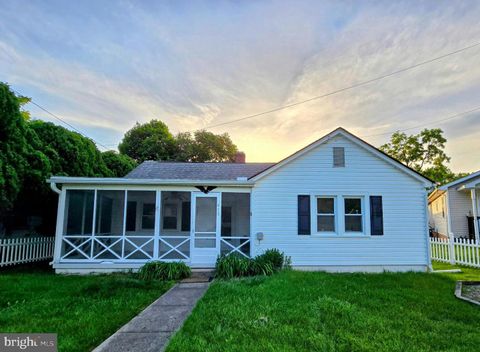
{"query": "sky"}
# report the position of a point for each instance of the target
(104, 65)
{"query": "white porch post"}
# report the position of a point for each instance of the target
(475, 213)
(156, 233)
(59, 228)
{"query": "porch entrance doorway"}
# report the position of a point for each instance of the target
(205, 229)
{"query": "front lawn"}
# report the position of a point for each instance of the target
(83, 310)
(308, 311)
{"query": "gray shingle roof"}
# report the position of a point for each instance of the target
(195, 171)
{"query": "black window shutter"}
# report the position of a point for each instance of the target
(303, 215)
(376, 216)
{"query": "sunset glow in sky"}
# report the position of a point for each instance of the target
(103, 65)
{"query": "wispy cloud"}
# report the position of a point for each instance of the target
(105, 66)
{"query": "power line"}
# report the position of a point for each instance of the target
(62, 120)
(356, 85)
(428, 123)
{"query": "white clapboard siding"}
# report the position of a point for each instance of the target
(459, 251)
(24, 250)
(460, 205)
(274, 209)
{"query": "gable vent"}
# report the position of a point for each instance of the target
(338, 156)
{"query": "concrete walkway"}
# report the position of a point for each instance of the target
(152, 328)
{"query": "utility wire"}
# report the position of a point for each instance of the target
(356, 85)
(62, 120)
(428, 123)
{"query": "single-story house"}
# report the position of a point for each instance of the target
(454, 208)
(339, 204)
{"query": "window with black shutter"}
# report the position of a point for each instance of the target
(304, 215)
(376, 216)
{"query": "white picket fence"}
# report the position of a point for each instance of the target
(459, 251)
(23, 250)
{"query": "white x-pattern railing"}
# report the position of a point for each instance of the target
(175, 248)
(239, 247)
(99, 248)
(134, 248)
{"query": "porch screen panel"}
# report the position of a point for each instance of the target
(140, 225)
(78, 224)
(235, 224)
(107, 241)
(174, 243)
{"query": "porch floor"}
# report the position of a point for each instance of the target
(152, 328)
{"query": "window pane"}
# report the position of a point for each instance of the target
(206, 214)
(110, 210)
(79, 212)
(325, 206)
(353, 223)
(175, 219)
(140, 213)
(326, 223)
(353, 206)
(235, 214)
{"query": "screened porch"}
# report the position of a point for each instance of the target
(135, 226)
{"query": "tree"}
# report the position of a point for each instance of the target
(149, 141)
(423, 152)
(118, 164)
(70, 153)
(205, 146)
(20, 159)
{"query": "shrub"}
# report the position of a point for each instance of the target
(232, 265)
(235, 265)
(275, 257)
(261, 265)
(164, 271)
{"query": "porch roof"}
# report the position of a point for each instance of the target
(161, 170)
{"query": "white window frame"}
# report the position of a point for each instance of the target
(339, 206)
(317, 214)
(362, 214)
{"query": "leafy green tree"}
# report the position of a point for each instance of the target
(149, 141)
(20, 160)
(204, 146)
(70, 153)
(423, 152)
(118, 164)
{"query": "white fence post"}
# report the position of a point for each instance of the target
(452, 248)
(24, 250)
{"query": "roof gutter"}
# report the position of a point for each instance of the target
(54, 187)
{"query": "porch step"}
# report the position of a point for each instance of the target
(200, 276)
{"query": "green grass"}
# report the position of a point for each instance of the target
(467, 274)
(83, 310)
(308, 311)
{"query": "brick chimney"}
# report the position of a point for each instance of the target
(240, 158)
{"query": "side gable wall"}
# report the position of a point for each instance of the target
(438, 214)
(274, 210)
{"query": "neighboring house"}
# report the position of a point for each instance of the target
(338, 204)
(453, 205)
